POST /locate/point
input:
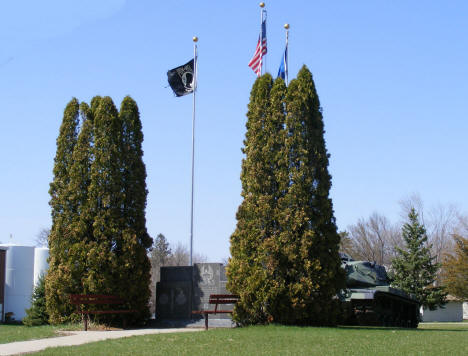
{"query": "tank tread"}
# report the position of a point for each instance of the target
(384, 309)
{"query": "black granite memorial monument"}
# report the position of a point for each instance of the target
(187, 288)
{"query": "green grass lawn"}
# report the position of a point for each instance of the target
(12, 332)
(429, 339)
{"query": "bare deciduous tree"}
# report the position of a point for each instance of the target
(462, 226)
(181, 256)
(412, 201)
(443, 222)
(374, 239)
(42, 237)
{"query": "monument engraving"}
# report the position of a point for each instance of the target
(186, 288)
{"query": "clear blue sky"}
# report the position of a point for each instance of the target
(391, 76)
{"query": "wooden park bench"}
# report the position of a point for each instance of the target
(81, 300)
(217, 299)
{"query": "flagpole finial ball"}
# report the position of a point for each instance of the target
(286, 26)
(195, 39)
(262, 4)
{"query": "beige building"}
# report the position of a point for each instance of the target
(452, 311)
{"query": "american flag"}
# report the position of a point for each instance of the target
(256, 61)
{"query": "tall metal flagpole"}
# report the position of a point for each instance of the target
(286, 26)
(195, 69)
(262, 5)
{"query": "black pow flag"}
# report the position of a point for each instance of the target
(181, 79)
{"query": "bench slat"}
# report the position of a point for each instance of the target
(94, 296)
(211, 311)
(95, 299)
(224, 296)
(107, 311)
(223, 301)
(100, 302)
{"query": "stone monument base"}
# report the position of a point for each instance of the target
(186, 288)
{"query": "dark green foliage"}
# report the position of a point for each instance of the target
(66, 279)
(257, 215)
(105, 201)
(135, 238)
(63, 159)
(309, 234)
(58, 276)
(103, 247)
(285, 263)
(413, 268)
(37, 314)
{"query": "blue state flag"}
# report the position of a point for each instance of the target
(283, 66)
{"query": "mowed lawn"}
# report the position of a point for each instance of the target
(429, 339)
(11, 332)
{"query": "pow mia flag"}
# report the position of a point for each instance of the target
(181, 79)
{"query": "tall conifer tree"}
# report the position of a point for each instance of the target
(99, 242)
(414, 269)
(285, 264)
(62, 214)
(309, 236)
(256, 217)
(117, 255)
(80, 228)
(106, 199)
(134, 263)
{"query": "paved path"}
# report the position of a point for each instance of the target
(78, 338)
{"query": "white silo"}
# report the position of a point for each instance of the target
(19, 274)
(41, 254)
(2, 281)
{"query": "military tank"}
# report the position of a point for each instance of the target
(369, 299)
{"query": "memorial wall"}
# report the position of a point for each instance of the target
(185, 288)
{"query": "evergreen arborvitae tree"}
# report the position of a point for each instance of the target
(249, 269)
(37, 314)
(58, 276)
(117, 255)
(135, 266)
(414, 270)
(274, 292)
(80, 226)
(99, 241)
(309, 237)
(285, 264)
(106, 199)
